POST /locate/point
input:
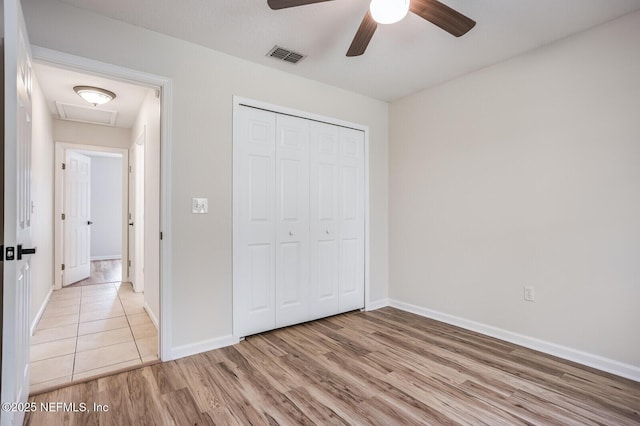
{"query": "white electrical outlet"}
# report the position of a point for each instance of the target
(529, 294)
(199, 205)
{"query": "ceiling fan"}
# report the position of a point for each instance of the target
(391, 11)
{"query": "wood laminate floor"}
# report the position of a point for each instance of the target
(383, 367)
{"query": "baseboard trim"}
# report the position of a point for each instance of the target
(107, 257)
(152, 316)
(203, 346)
(628, 371)
(377, 304)
(41, 311)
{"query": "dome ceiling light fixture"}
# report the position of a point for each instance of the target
(94, 95)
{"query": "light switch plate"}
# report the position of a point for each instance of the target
(199, 205)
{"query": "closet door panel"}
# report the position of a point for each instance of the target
(324, 219)
(351, 287)
(254, 222)
(292, 224)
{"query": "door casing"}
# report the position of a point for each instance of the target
(78, 63)
(60, 150)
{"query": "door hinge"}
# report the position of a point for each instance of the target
(129, 169)
(63, 216)
(64, 166)
(160, 234)
(62, 267)
(129, 263)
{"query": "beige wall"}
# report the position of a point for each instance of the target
(204, 82)
(91, 134)
(148, 121)
(527, 173)
(42, 197)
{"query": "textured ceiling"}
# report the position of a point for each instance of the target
(402, 58)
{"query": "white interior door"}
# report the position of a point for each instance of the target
(17, 212)
(136, 214)
(138, 268)
(351, 219)
(131, 205)
(77, 217)
(324, 258)
(292, 220)
(254, 221)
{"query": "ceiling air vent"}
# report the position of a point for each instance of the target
(285, 54)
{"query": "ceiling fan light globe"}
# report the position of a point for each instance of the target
(389, 11)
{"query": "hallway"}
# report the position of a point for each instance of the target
(89, 330)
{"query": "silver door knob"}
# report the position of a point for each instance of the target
(327, 231)
(290, 234)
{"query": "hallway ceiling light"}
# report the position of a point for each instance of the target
(94, 95)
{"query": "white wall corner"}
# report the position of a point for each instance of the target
(628, 371)
(377, 304)
(152, 316)
(203, 346)
(41, 310)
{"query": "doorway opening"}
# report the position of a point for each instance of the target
(94, 204)
(103, 314)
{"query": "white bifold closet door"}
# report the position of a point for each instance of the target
(298, 220)
(254, 207)
(337, 219)
(292, 220)
(351, 219)
(325, 220)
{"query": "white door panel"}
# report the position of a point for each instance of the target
(254, 222)
(77, 211)
(324, 219)
(289, 274)
(351, 220)
(16, 272)
(131, 216)
(292, 227)
(135, 228)
(260, 281)
(260, 196)
(326, 274)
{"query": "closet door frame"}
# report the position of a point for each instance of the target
(239, 102)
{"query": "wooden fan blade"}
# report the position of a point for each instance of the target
(363, 36)
(443, 16)
(284, 4)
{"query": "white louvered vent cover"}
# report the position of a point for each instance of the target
(84, 114)
(285, 54)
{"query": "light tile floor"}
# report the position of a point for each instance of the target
(88, 331)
